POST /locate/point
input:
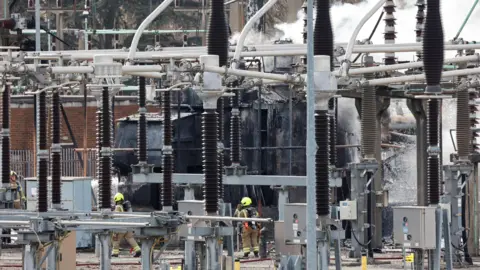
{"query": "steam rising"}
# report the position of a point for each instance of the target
(345, 17)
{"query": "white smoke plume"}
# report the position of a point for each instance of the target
(345, 18)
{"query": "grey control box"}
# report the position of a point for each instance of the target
(414, 226)
(295, 223)
(190, 207)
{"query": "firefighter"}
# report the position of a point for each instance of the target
(18, 194)
(250, 229)
(19, 200)
(117, 237)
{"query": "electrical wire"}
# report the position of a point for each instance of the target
(466, 20)
(371, 34)
(55, 36)
(364, 245)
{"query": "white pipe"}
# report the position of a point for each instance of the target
(103, 223)
(251, 74)
(144, 71)
(247, 28)
(218, 218)
(230, 2)
(266, 50)
(353, 38)
(421, 77)
(14, 222)
(154, 75)
(143, 25)
(358, 71)
(147, 68)
(71, 69)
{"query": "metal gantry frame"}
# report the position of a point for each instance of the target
(36, 228)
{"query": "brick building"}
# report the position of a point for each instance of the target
(22, 119)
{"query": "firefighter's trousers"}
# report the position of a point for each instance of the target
(250, 240)
(117, 237)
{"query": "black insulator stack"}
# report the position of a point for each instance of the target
(433, 63)
(332, 122)
(210, 159)
(321, 162)
(99, 140)
(323, 45)
(368, 123)
(463, 125)
(432, 122)
(433, 44)
(167, 167)
(55, 163)
(6, 135)
(217, 37)
(389, 34)
(221, 139)
(323, 33)
(142, 122)
(42, 168)
(472, 104)
(105, 181)
(235, 153)
(420, 20)
(433, 162)
(160, 186)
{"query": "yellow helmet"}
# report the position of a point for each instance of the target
(12, 173)
(118, 197)
(246, 201)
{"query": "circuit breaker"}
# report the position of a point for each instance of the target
(295, 223)
(414, 226)
(348, 210)
(190, 207)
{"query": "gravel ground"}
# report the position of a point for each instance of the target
(11, 259)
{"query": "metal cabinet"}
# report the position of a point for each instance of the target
(76, 196)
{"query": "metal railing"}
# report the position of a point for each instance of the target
(23, 162)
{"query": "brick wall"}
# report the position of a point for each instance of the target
(23, 130)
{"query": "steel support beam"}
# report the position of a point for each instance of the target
(105, 259)
(377, 207)
(146, 260)
(453, 192)
(446, 234)
(197, 179)
(52, 259)
(30, 256)
(416, 106)
(358, 190)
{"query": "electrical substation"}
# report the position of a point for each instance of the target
(212, 125)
